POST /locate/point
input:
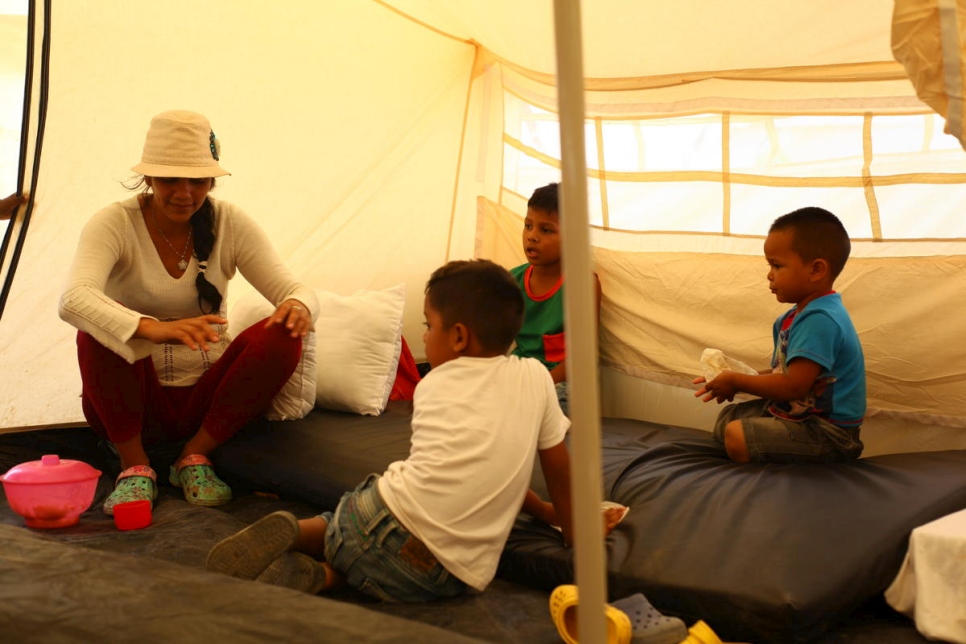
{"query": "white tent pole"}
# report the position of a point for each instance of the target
(581, 325)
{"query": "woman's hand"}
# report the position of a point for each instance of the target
(193, 332)
(294, 316)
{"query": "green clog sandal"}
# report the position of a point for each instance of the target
(138, 483)
(196, 477)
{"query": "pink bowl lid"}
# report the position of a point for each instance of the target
(50, 469)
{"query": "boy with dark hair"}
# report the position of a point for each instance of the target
(437, 522)
(812, 402)
(541, 280)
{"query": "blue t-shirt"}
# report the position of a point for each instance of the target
(823, 333)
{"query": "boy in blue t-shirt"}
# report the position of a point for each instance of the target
(541, 280)
(812, 401)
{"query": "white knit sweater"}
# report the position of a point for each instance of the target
(117, 278)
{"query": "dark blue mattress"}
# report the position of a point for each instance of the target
(763, 553)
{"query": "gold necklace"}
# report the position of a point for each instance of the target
(182, 263)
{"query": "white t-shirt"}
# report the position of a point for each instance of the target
(477, 426)
(117, 278)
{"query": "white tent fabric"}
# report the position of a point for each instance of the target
(375, 140)
(927, 40)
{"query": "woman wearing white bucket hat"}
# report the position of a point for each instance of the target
(147, 293)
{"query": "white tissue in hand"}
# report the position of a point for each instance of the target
(714, 361)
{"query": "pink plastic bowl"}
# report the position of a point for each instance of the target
(50, 493)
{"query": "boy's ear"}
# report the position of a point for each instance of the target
(819, 268)
(460, 337)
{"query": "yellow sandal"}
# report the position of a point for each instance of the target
(563, 610)
(701, 633)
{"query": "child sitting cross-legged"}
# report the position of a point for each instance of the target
(436, 523)
(812, 401)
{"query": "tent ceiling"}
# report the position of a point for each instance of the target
(630, 38)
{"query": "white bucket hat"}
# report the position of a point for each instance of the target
(180, 143)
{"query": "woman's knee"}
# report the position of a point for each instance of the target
(275, 336)
(98, 363)
(278, 343)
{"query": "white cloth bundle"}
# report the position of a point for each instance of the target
(714, 361)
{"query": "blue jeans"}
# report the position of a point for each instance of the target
(378, 556)
(563, 396)
(770, 439)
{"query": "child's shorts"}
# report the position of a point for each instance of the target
(378, 556)
(777, 440)
(563, 396)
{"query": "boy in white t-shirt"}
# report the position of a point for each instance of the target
(436, 523)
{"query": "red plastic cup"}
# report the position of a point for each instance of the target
(132, 515)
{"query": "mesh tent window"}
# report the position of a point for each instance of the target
(730, 173)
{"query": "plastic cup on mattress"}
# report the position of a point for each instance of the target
(132, 515)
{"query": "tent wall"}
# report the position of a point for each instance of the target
(368, 138)
(660, 310)
(666, 298)
(13, 40)
(340, 122)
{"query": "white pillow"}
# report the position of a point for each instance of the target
(297, 397)
(358, 347)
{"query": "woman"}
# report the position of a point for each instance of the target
(147, 293)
